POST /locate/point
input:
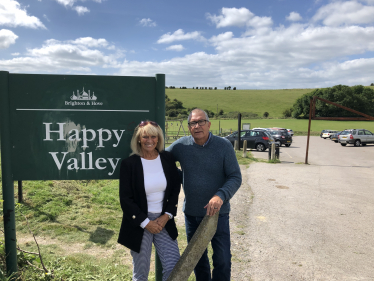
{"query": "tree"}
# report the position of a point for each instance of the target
(358, 97)
(266, 114)
(288, 112)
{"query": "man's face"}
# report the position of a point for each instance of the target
(199, 133)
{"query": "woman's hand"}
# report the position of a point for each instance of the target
(153, 227)
(162, 220)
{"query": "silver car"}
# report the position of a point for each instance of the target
(356, 137)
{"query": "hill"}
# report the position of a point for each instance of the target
(256, 101)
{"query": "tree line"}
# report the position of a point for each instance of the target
(357, 97)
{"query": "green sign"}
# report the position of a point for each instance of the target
(69, 127)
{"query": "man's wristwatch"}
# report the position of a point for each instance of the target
(170, 216)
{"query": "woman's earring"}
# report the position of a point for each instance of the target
(138, 141)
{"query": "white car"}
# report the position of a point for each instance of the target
(328, 134)
(290, 132)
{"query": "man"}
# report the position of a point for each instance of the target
(211, 176)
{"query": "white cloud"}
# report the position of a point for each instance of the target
(177, 48)
(15, 54)
(231, 17)
(293, 16)
(90, 42)
(147, 22)
(69, 56)
(11, 14)
(7, 38)
(242, 18)
(345, 13)
(45, 16)
(179, 35)
(69, 3)
(81, 10)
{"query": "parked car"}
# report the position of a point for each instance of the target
(290, 132)
(356, 137)
(281, 137)
(328, 133)
(322, 133)
(335, 137)
(256, 139)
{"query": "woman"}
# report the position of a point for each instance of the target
(149, 190)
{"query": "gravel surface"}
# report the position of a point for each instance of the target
(293, 221)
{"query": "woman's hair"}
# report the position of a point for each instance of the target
(149, 130)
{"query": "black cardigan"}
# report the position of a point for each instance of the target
(133, 199)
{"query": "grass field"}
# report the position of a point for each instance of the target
(256, 101)
(297, 125)
(77, 225)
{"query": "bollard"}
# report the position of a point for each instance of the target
(272, 151)
(236, 145)
(244, 149)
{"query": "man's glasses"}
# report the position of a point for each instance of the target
(200, 122)
(145, 123)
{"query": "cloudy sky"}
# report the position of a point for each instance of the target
(250, 44)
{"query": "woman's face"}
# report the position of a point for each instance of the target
(148, 143)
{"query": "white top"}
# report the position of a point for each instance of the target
(154, 184)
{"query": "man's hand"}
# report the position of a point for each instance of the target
(153, 227)
(214, 205)
(162, 220)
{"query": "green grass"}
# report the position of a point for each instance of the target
(297, 125)
(256, 101)
(71, 215)
(245, 160)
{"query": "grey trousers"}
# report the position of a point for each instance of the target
(167, 250)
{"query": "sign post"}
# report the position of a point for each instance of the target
(69, 127)
(7, 179)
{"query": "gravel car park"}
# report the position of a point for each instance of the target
(357, 137)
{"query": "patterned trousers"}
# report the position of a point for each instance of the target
(167, 250)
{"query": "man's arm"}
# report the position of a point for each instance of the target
(231, 185)
(233, 175)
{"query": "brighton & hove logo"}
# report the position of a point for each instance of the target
(83, 98)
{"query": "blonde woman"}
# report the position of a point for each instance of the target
(149, 188)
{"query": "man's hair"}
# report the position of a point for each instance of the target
(197, 109)
(149, 130)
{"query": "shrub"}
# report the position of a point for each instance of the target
(266, 114)
(288, 112)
